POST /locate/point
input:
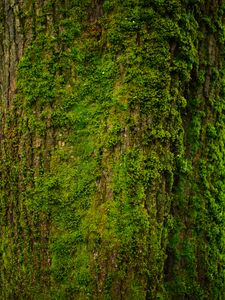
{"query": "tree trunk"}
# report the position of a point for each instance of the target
(112, 149)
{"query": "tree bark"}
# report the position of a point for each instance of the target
(112, 149)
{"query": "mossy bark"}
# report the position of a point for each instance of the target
(112, 149)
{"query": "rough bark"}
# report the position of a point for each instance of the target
(112, 149)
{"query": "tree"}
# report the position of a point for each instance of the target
(112, 149)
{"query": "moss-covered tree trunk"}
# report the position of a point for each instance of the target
(112, 134)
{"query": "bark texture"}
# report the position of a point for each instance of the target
(112, 150)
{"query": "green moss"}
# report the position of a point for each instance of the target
(115, 161)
